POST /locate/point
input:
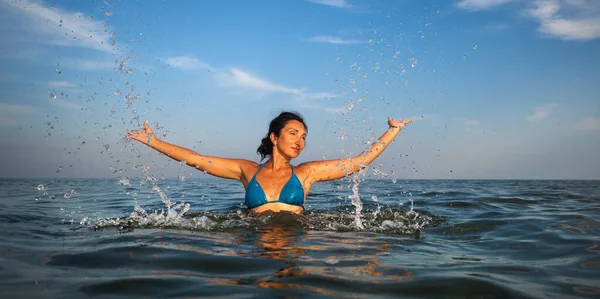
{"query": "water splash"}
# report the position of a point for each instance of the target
(70, 194)
(380, 220)
(355, 197)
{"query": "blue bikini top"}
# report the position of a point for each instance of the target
(292, 192)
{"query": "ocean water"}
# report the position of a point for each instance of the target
(110, 238)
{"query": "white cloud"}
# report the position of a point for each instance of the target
(340, 110)
(187, 63)
(541, 112)
(242, 79)
(66, 104)
(587, 124)
(480, 4)
(11, 114)
(561, 19)
(59, 84)
(16, 109)
(469, 122)
(322, 95)
(61, 27)
(333, 40)
(305, 103)
(10, 78)
(239, 78)
(88, 64)
(470, 125)
(333, 3)
(582, 23)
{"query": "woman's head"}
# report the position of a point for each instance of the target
(293, 136)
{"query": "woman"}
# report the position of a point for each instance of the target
(275, 185)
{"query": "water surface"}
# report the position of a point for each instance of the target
(412, 239)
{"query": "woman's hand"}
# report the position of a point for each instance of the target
(145, 135)
(398, 123)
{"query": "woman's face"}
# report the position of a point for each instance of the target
(291, 139)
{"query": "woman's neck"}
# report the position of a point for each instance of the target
(278, 162)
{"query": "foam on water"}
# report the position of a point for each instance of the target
(179, 216)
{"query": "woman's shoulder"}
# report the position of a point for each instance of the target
(247, 164)
(248, 168)
(302, 168)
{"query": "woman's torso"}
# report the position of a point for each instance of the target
(282, 190)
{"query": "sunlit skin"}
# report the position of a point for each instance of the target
(277, 171)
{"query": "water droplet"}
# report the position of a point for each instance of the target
(70, 194)
(107, 147)
(108, 13)
(52, 96)
(474, 47)
(331, 261)
(464, 57)
(117, 92)
(125, 182)
(374, 198)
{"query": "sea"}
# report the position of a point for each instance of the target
(359, 238)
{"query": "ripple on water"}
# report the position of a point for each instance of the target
(155, 258)
(586, 290)
(470, 227)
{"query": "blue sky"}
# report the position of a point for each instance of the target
(503, 89)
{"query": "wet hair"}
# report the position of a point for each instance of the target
(266, 145)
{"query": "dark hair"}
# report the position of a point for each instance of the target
(266, 146)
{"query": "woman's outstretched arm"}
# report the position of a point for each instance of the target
(336, 169)
(220, 167)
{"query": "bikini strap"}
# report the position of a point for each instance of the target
(292, 168)
(259, 168)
